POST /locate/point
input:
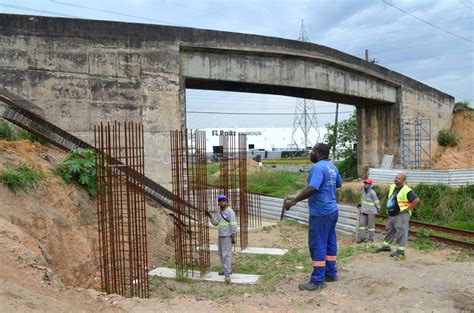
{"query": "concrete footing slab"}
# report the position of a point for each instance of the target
(211, 276)
(255, 250)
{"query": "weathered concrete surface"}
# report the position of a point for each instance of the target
(82, 72)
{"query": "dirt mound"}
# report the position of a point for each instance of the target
(461, 156)
(54, 230)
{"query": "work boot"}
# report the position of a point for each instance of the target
(330, 279)
(221, 273)
(310, 286)
(227, 280)
(383, 248)
(361, 240)
(397, 253)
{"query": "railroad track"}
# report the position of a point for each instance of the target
(414, 226)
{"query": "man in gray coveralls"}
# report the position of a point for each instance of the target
(227, 225)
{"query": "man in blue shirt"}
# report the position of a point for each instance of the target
(323, 179)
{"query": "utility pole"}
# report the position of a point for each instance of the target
(305, 118)
(335, 134)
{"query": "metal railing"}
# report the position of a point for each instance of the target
(453, 177)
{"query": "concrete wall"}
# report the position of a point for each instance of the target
(83, 72)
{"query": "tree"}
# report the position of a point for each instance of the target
(345, 152)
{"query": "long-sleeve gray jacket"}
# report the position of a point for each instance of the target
(369, 201)
(226, 228)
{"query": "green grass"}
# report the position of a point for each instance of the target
(276, 183)
(274, 271)
(152, 218)
(462, 225)
(10, 132)
(22, 177)
(212, 168)
(6, 131)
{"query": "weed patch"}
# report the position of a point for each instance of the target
(79, 167)
(22, 177)
(423, 241)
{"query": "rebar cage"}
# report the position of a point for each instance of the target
(189, 178)
(121, 208)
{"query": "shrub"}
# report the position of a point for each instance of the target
(79, 167)
(348, 167)
(448, 138)
(25, 135)
(22, 177)
(349, 196)
(441, 204)
(462, 105)
(6, 131)
(11, 133)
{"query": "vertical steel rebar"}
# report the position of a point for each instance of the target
(121, 208)
(189, 171)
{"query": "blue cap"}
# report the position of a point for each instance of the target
(222, 197)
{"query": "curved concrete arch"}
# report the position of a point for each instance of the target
(82, 72)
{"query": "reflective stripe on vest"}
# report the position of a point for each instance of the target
(223, 224)
(402, 197)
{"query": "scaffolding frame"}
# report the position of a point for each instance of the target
(416, 143)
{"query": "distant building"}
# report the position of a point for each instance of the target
(269, 139)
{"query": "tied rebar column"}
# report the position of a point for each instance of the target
(121, 208)
(255, 210)
(189, 178)
(243, 201)
(233, 179)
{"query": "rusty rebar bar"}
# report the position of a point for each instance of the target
(189, 178)
(121, 208)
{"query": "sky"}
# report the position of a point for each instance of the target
(428, 40)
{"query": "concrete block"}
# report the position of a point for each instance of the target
(73, 62)
(245, 279)
(128, 64)
(41, 85)
(109, 90)
(15, 81)
(43, 57)
(71, 87)
(13, 58)
(102, 63)
(114, 111)
(255, 250)
(74, 115)
(162, 111)
(160, 58)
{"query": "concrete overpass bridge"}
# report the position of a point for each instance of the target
(82, 72)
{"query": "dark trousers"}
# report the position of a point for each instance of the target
(322, 244)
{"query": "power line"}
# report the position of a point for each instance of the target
(426, 22)
(429, 57)
(112, 12)
(387, 24)
(266, 113)
(36, 10)
(385, 32)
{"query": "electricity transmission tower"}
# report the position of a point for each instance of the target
(305, 120)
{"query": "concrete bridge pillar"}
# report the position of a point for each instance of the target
(378, 133)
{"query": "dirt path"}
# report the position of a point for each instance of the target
(48, 260)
